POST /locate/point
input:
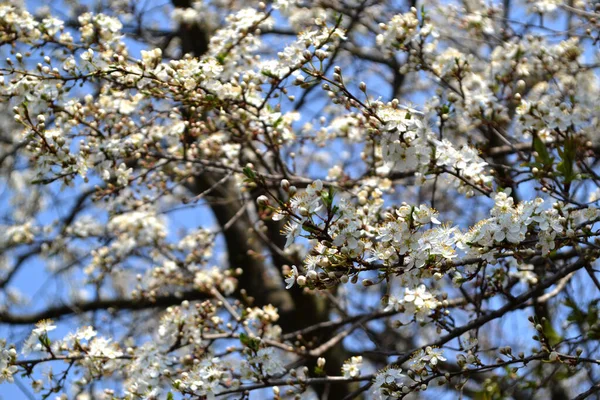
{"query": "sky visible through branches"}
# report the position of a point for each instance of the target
(444, 229)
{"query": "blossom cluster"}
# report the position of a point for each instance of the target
(126, 133)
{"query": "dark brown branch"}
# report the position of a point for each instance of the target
(122, 304)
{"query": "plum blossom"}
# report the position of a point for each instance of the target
(270, 362)
(351, 368)
(291, 279)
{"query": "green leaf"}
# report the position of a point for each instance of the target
(576, 315)
(334, 210)
(221, 58)
(251, 343)
(567, 154)
(45, 340)
(594, 332)
(309, 228)
(592, 313)
(249, 173)
(551, 334)
(338, 19)
(269, 74)
(245, 339)
(483, 395)
(327, 197)
(543, 156)
(170, 396)
(278, 122)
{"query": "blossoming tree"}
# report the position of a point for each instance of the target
(300, 199)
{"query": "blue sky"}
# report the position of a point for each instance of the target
(34, 275)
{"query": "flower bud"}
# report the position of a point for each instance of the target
(262, 200)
